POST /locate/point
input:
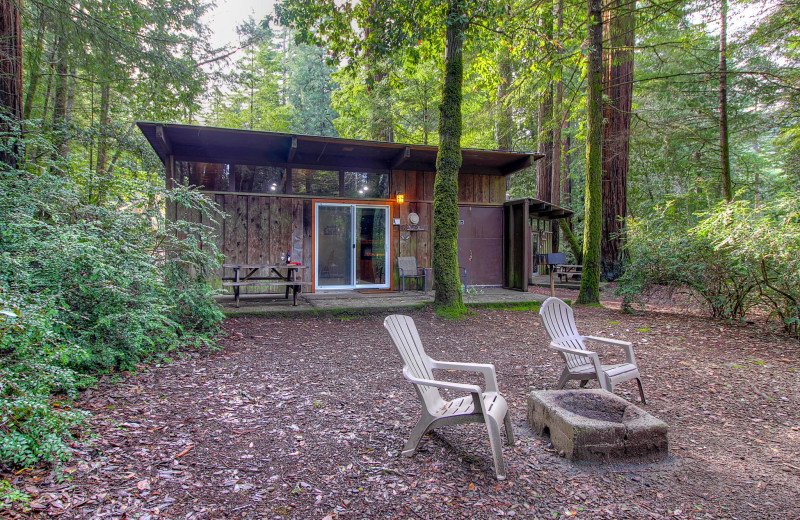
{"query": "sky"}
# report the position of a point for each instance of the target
(228, 14)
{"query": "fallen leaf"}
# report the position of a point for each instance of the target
(185, 451)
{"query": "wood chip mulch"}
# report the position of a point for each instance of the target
(304, 418)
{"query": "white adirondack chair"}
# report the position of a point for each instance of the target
(583, 364)
(480, 407)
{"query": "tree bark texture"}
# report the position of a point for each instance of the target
(448, 162)
(379, 95)
(10, 82)
(558, 109)
(34, 67)
(544, 166)
(618, 60)
(566, 186)
(590, 278)
(558, 119)
(102, 139)
(725, 159)
(60, 123)
(569, 236)
(503, 125)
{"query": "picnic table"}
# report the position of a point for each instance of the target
(565, 271)
(271, 274)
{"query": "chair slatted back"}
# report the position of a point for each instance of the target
(559, 322)
(408, 264)
(406, 339)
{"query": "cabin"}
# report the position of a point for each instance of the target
(346, 208)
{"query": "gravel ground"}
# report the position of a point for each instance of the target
(304, 418)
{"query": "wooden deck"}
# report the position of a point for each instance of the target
(366, 300)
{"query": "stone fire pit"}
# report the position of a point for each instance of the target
(596, 425)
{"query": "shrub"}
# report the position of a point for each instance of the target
(735, 257)
(88, 287)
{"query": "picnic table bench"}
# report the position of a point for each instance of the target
(567, 271)
(272, 277)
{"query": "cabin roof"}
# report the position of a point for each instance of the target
(229, 145)
(542, 210)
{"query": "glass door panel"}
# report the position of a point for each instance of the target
(334, 246)
(371, 245)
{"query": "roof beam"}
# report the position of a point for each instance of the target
(292, 150)
(400, 158)
(516, 165)
(162, 138)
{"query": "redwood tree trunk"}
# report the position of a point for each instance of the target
(590, 278)
(503, 123)
(448, 162)
(61, 91)
(619, 16)
(725, 159)
(10, 82)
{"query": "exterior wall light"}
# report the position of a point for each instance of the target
(400, 198)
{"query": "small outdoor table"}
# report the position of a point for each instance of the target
(243, 275)
(565, 270)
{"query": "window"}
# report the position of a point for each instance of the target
(315, 182)
(231, 177)
(244, 178)
(363, 185)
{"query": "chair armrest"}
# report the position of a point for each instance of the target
(473, 389)
(593, 357)
(610, 341)
(400, 269)
(573, 351)
(627, 346)
(487, 369)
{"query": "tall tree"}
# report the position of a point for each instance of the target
(618, 60)
(448, 162)
(309, 91)
(544, 166)
(590, 279)
(396, 28)
(10, 82)
(724, 145)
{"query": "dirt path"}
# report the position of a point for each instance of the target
(304, 418)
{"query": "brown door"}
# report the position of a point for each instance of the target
(480, 244)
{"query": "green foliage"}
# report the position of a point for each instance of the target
(87, 287)
(734, 258)
(9, 495)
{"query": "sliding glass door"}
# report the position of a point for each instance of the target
(352, 241)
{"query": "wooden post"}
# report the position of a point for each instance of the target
(552, 283)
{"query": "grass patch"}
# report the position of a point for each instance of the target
(643, 330)
(508, 306)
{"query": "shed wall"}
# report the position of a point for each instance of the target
(259, 227)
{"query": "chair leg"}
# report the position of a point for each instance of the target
(641, 390)
(509, 430)
(564, 378)
(416, 435)
(403, 279)
(497, 447)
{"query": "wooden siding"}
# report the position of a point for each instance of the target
(258, 228)
(473, 190)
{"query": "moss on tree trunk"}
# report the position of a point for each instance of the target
(590, 277)
(448, 161)
(569, 236)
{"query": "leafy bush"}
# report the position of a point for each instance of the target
(734, 258)
(87, 287)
